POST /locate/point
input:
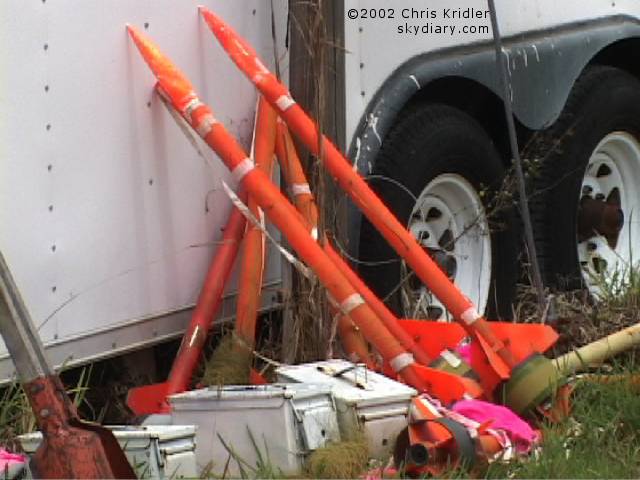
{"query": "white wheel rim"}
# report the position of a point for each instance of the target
(614, 164)
(449, 221)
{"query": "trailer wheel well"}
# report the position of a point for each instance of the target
(621, 54)
(474, 99)
(487, 108)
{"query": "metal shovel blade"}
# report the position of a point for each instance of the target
(70, 448)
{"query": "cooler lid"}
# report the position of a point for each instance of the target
(350, 383)
(239, 393)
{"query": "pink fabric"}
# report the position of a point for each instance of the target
(378, 474)
(464, 350)
(501, 418)
(9, 461)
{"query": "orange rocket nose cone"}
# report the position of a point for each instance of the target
(172, 81)
(216, 24)
(227, 36)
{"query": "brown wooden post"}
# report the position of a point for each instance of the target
(316, 80)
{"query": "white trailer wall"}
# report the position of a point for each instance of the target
(102, 199)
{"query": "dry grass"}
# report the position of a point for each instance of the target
(229, 364)
(581, 319)
(346, 459)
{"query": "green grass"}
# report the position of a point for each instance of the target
(600, 440)
(602, 437)
(16, 417)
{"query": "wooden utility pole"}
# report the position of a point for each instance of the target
(316, 79)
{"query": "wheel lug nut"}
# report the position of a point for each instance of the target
(587, 190)
(592, 246)
(600, 196)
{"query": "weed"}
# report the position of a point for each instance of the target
(600, 440)
(16, 417)
(263, 468)
(346, 459)
(229, 363)
(619, 289)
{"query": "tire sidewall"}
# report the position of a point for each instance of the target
(611, 105)
(450, 143)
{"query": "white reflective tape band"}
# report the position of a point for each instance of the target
(285, 102)
(351, 303)
(191, 106)
(450, 358)
(206, 125)
(429, 406)
(314, 233)
(401, 362)
(300, 189)
(470, 315)
(244, 167)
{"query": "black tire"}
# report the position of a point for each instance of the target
(603, 100)
(428, 141)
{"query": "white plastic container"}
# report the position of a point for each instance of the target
(364, 399)
(286, 422)
(158, 452)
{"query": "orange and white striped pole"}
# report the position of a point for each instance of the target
(352, 341)
(499, 356)
(277, 208)
(253, 248)
(297, 181)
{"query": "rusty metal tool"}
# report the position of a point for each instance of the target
(71, 448)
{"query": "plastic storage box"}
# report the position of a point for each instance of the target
(280, 423)
(164, 452)
(364, 399)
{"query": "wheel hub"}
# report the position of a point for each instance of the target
(607, 233)
(598, 217)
